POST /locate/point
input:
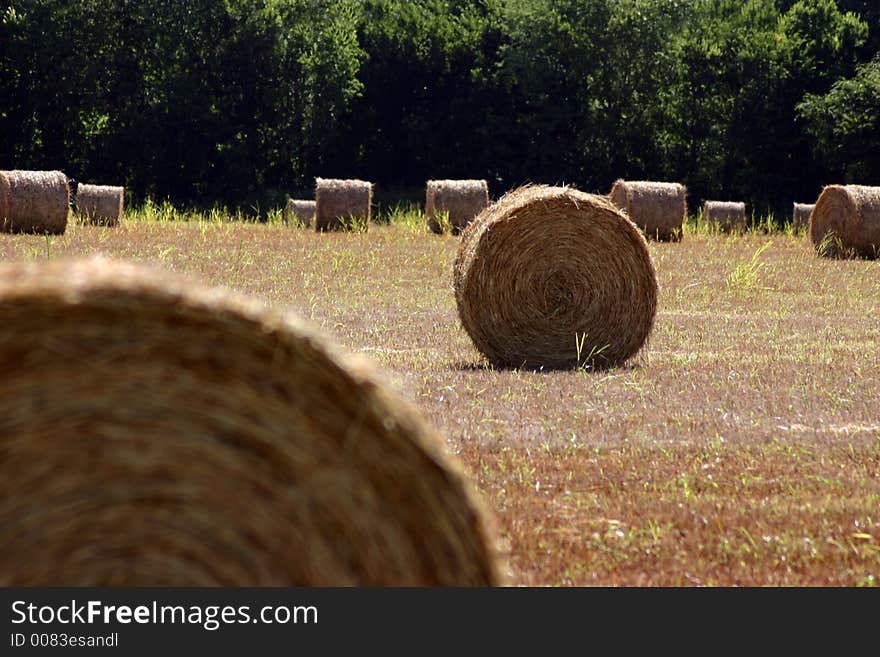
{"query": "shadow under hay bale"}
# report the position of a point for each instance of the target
(845, 222)
(299, 211)
(458, 201)
(658, 208)
(551, 277)
(800, 215)
(209, 441)
(34, 202)
(100, 205)
(342, 204)
(726, 216)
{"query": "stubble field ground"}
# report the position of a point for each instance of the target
(741, 447)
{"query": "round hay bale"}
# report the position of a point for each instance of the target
(101, 205)
(33, 202)
(726, 216)
(301, 211)
(658, 208)
(461, 200)
(846, 221)
(342, 204)
(156, 432)
(551, 277)
(800, 215)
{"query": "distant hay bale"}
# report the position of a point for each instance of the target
(556, 278)
(658, 208)
(800, 215)
(846, 222)
(727, 216)
(342, 204)
(462, 200)
(33, 202)
(157, 432)
(101, 205)
(300, 210)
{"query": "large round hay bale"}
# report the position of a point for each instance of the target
(458, 200)
(342, 204)
(726, 216)
(658, 208)
(155, 432)
(846, 221)
(299, 211)
(101, 205)
(33, 202)
(800, 215)
(551, 277)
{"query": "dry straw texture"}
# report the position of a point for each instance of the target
(556, 278)
(301, 211)
(209, 441)
(33, 202)
(102, 205)
(726, 216)
(846, 221)
(461, 200)
(342, 204)
(800, 215)
(658, 208)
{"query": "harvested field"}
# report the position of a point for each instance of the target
(740, 447)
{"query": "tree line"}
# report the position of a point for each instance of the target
(242, 102)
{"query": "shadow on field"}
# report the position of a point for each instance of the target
(484, 366)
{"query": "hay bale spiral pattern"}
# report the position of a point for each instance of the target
(34, 202)
(155, 432)
(658, 208)
(556, 278)
(462, 200)
(846, 222)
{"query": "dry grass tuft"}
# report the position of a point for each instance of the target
(33, 202)
(555, 278)
(210, 441)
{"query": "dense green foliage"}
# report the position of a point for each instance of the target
(240, 102)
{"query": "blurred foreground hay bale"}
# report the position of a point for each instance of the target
(299, 210)
(342, 204)
(726, 216)
(101, 205)
(156, 432)
(846, 221)
(459, 200)
(550, 277)
(33, 202)
(658, 208)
